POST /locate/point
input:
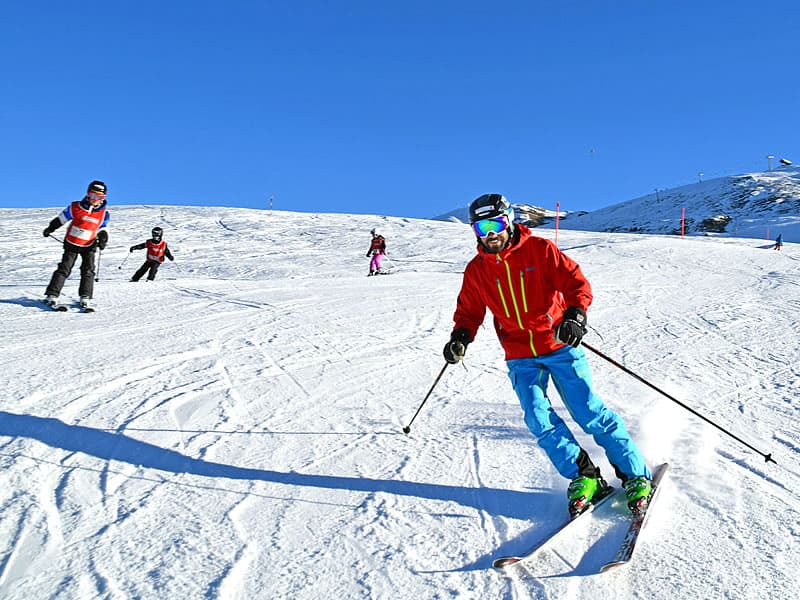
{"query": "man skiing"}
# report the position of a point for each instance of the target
(778, 242)
(87, 219)
(377, 249)
(157, 249)
(539, 298)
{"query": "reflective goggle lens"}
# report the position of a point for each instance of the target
(95, 196)
(486, 226)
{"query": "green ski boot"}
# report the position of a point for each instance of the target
(638, 491)
(580, 493)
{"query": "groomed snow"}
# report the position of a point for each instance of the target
(234, 429)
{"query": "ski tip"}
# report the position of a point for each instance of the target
(500, 563)
(612, 565)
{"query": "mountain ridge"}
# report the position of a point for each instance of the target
(750, 205)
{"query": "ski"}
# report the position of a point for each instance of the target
(505, 561)
(85, 305)
(625, 552)
(55, 306)
(58, 307)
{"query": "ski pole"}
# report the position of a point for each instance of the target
(124, 261)
(97, 273)
(55, 239)
(767, 457)
(407, 428)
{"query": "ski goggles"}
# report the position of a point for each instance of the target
(96, 196)
(484, 227)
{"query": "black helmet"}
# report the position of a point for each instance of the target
(157, 233)
(490, 206)
(97, 186)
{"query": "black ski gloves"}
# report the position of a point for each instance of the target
(454, 349)
(572, 328)
(54, 224)
(102, 240)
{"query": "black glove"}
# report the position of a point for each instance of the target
(132, 249)
(51, 227)
(368, 254)
(454, 349)
(102, 240)
(572, 328)
(171, 259)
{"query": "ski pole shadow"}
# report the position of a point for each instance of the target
(120, 447)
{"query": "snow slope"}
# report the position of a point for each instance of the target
(233, 429)
(752, 205)
(757, 205)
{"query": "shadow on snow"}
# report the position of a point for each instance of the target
(116, 446)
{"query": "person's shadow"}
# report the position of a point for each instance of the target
(26, 302)
(120, 447)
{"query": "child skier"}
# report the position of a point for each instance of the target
(377, 249)
(156, 251)
(87, 219)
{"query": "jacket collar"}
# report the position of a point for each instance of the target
(85, 204)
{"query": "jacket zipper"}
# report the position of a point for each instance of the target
(514, 301)
(522, 288)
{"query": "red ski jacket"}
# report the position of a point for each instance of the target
(527, 286)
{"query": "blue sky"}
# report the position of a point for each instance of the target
(407, 109)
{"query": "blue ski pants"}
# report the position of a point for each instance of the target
(569, 370)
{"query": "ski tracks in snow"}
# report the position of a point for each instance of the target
(236, 430)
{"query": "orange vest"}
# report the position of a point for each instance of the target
(155, 252)
(84, 225)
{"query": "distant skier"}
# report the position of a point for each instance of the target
(86, 232)
(157, 249)
(377, 249)
(778, 242)
(539, 298)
